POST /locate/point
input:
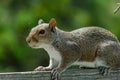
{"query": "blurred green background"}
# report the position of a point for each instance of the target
(17, 17)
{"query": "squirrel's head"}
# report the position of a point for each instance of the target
(43, 33)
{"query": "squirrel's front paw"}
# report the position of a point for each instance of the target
(41, 68)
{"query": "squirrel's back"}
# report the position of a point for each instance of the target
(94, 34)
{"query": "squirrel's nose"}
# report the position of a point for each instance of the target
(28, 40)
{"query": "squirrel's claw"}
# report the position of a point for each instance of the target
(55, 75)
(104, 70)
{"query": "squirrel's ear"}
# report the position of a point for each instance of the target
(40, 21)
(52, 24)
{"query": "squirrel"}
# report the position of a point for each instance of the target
(92, 47)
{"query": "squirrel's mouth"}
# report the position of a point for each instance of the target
(33, 46)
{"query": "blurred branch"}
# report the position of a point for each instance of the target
(117, 9)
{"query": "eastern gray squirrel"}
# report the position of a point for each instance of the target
(88, 47)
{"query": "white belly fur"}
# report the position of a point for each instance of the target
(93, 64)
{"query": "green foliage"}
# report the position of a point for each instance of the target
(17, 17)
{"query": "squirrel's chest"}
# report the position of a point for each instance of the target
(53, 53)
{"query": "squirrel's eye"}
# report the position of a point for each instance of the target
(41, 31)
